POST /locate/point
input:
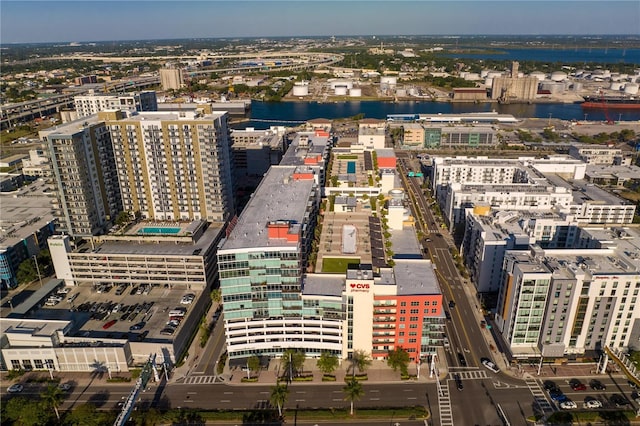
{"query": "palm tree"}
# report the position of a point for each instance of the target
(279, 396)
(360, 359)
(53, 397)
(353, 391)
(216, 295)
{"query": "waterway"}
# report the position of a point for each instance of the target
(565, 55)
(265, 114)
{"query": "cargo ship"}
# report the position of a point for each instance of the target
(611, 102)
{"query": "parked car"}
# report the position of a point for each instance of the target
(597, 385)
(568, 405)
(109, 324)
(167, 331)
(557, 395)
(577, 385)
(15, 388)
(592, 403)
(619, 400)
(64, 387)
(187, 299)
(138, 326)
(549, 385)
(490, 365)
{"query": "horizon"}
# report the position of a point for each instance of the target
(93, 21)
(67, 43)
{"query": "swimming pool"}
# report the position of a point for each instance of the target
(159, 230)
(351, 167)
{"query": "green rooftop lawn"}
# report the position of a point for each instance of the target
(335, 265)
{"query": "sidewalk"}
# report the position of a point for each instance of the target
(377, 372)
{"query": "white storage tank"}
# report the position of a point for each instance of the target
(539, 75)
(341, 90)
(552, 86)
(616, 85)
(558, 76)
(494, 74)
(346, 83)
(301, 89)
(577, 86)
(631, 88)
(356, 92)
(401, 92)
(488, 82)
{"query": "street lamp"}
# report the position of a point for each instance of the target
(35, 259)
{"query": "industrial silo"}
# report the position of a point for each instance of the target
(341, 90)
(558, 76)
(301, 89)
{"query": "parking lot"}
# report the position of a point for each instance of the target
(120, 311)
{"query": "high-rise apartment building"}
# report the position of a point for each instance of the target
(174, 165)
(93, 103)
(83, 172)
(562, 302)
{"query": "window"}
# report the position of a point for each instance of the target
(15, 364)
(38, 364)
(426, 303)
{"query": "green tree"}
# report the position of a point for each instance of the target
(253, 363)
(327, 363)
(398, 359)
(278, 396)
(150, 417)
(216, 295)
(292, 362)
(360, 360)
(23, 411)
(123, 218)
(88, 415)
(353, 391)
(26, 272)
(53, 397)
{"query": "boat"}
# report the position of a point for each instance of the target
(611, 102)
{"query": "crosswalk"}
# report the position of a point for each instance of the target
(202, 380)
(539, 396)
(471, 374)
(444, 405)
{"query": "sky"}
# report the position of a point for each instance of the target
(87, 20)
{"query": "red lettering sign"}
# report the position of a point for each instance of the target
(360, 285)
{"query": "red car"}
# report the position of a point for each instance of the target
(109, 324)
(576, 385)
